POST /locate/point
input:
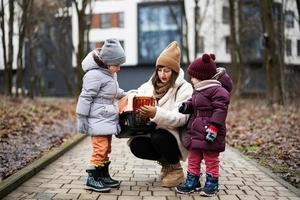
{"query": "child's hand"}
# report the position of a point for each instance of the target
(211, 133)
(82, 124)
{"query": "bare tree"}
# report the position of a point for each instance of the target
(10, 47)
(8, 51)
(32, 35)
(82, 28)
(235, 49)
(25, 7)
(61, 55)
(183, 31)
(3, 38)
(272, 55)
(198, 20)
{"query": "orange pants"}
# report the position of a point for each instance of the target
(101, 148)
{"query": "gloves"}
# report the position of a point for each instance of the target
(181, 108)
(211, 133)
(82, 124)
(148, 111)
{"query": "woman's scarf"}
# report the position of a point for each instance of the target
(160, 89)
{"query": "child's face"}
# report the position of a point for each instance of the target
(114, 68)
(195, 80)
(164, 74)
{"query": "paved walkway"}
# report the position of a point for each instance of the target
(65, 178)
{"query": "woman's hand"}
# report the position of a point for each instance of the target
(148, 111)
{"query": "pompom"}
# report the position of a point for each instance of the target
(206, 58)
(213, 56)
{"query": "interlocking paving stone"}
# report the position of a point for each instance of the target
(65, 179)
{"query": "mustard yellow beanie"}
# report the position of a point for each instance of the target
(170, 57)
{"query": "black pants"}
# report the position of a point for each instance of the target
(161, 146)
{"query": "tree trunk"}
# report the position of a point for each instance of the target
(30, 72)
(10, 48)
(80, 48)
(235, 51)
(272, 56)
(185, 34)
(3, 38)
(183, 31)
(25, 6)
(198, 20)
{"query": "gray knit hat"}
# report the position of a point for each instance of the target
(112, 52)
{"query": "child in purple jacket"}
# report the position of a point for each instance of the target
(205, 135)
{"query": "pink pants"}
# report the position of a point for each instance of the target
(211, 159)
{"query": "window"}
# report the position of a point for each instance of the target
(225, 15)
(227, 44)
(298, 47)
(157, 27)
(288, 46)
(51, 85)
(289, 19)
(105, 20)
(121, 20)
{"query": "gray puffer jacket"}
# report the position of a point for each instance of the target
(97, 100)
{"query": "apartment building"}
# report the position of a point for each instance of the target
(145, 27)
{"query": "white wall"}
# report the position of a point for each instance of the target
(212, 29)
(128, 34)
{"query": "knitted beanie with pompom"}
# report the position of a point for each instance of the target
(204, 67)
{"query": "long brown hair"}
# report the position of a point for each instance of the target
(98, 61)
(155, 79)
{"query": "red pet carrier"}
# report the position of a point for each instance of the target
(131, 122)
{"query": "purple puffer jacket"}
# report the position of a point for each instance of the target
(208, 105)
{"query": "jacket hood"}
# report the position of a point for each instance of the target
(223, 78)
(89, 63)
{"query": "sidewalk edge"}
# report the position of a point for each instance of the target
(15, 180)
(268, 172)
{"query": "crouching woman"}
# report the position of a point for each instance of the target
(169, 89)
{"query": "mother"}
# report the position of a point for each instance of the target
(170, 89)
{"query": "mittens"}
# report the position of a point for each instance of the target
(82, 124)
(211, 133)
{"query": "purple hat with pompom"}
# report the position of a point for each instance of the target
(203, 68)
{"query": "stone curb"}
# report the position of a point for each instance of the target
(268, 172)
(15, 180)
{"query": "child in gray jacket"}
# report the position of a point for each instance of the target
(97, 110)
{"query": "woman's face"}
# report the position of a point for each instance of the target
(164, 74)
(113, 68)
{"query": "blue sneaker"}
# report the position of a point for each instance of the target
(211, 187)
(191, 184)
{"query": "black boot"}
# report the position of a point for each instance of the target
(106, 176)
(94, 181)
